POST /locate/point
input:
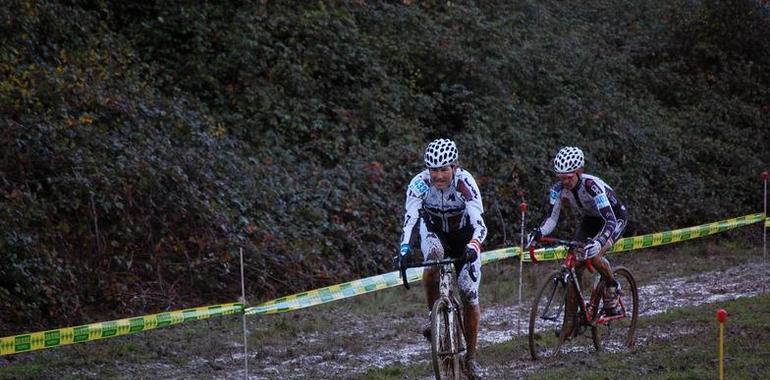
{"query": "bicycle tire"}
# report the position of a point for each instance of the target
(547, 316)
(620, 334)
(446, 343)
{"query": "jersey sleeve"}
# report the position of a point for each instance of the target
(554, 201)
(474, 208)
(602, 204)
(415, 193)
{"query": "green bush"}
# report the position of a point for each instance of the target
(144, 144)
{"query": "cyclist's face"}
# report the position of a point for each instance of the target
(569, 180)
(442, 176)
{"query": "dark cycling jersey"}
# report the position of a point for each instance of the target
(592, 198)
(449, 210)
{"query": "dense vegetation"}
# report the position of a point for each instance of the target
(144, 143)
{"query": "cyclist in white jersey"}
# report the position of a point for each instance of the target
(444, 209)
(604, 219)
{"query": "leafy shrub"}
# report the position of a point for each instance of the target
(146, 143)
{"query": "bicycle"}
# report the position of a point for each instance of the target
(546, 317)
(447, 330)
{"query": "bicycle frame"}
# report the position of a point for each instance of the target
(589, 310)
(446, 291)
(447, 327)
(447, 278)
(556, 296)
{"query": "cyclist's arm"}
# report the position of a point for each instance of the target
(604, 207)
(415, 193)
(554, 198)
(474, 208)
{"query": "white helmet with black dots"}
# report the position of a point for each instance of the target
(568, 160)
(440, 153)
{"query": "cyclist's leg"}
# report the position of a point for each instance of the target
(469, 293)
(602, 264)
(588, 228)
(570, 309)
(432, 249)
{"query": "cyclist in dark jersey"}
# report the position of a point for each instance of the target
(444, 209)
(603, 219)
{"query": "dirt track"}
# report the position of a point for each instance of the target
(382, 342)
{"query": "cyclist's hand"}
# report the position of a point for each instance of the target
(533, 235)
(591, 248)
(403, 255)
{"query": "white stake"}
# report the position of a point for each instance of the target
(764, 222)
(245, 340)
(523, 209)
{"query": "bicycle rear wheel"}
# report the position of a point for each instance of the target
(446, 339)
(619, 334)
(547, 316)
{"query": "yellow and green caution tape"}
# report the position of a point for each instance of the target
(95, 331)
(357, 287)
(660, 238)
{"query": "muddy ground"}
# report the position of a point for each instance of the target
(347, 338)
(386, 342)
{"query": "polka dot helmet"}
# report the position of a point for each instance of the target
(568, 160)
(440, 153)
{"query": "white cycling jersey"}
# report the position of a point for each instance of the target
(591, 197)
(449, 210)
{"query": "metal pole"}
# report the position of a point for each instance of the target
(764, 223)
(245, 340)
(523, 209)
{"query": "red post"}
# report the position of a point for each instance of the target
(721, 317)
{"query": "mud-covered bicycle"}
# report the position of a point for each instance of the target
(447, 339)
(548, 307)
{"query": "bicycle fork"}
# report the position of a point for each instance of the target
(453, 346)
(453, 309)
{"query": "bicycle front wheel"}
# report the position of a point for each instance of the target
(618, 334)
(446, 339)
(547, 316)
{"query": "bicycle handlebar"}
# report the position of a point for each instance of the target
(433, 263)
(570, 244)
